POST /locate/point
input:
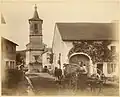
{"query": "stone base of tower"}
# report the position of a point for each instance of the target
(35, 67)
(34, 61)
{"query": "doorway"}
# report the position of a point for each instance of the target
(76, 58)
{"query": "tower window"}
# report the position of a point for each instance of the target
(35, 26)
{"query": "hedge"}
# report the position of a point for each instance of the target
(12, 78)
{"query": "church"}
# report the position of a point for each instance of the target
(35, 48)
(96, 44)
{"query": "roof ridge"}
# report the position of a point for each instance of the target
(9, 40)
(84, 23)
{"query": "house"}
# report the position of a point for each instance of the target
(8, 53)
(47, 59)
(96, 44)
(8, 56)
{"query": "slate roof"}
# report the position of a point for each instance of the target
(87, 31)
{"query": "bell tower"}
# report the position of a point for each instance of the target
(35, 24)
(35, 47)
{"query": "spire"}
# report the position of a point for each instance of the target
(2, 19)
(36, 16)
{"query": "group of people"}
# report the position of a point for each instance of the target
(57, 72)
(82, 75)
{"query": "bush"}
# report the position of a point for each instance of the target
(13, 77)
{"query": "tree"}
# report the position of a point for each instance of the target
(98, 50)
(51, 58)
(19, 58)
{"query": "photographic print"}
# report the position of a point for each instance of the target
(59, 47)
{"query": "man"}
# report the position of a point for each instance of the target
(82, 76)
(82, 68)
(85, 69)
(56, 73)
(103, 77)
(45, 70)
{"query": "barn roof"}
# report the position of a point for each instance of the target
(87, 31)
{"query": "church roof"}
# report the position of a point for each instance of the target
(86, 31)
(36, 16)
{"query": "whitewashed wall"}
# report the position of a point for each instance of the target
(56, 46)
(27, 57)
(60, 46)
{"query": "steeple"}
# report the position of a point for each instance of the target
(36, 16)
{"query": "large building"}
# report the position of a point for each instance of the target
(35, 47)
(96, 44)
(8, 53)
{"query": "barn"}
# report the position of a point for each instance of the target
(96, 44)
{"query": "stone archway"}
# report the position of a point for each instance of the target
(77, 57)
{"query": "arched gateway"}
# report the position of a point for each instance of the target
(77, 57)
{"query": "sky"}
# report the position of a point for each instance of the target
(17, 13)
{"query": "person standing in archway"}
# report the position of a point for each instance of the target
(82, 76)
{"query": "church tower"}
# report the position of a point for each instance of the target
(35, 47)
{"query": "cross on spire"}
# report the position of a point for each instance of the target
(35, 7)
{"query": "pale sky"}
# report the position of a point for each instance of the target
(17, 13)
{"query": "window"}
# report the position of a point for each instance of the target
(113, 49)
(111, 68)
(99, 68)
(35, 26)
(11, 65)
(12, 49)
(7, 64)
(6, 47)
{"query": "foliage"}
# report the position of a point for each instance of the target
(97, 50)
(51, 58)
(13, 77)
(19, 59)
